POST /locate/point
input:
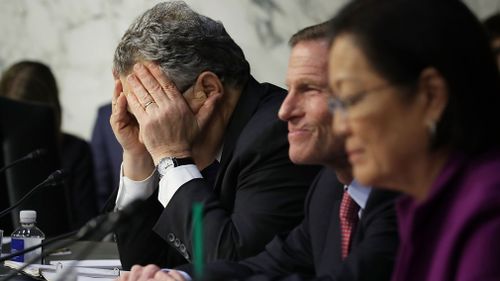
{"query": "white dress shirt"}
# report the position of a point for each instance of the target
(130, 190)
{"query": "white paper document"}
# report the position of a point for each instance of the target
(83, 270)
(109, 263)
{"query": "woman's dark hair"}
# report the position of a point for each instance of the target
(401, 38)
(492, 25)
(31, 81)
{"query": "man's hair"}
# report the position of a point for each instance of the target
(184, 44)
(314, 32)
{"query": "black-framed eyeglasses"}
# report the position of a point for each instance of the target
(342, 105)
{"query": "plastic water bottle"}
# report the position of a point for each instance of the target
(25, 236)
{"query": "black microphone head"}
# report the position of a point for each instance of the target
(57, 177)
(100, 226)
(37, 153)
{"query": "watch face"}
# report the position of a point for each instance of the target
(164, 164)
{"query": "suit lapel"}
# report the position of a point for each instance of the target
(331, 256)
(246, 106)
(378, 198)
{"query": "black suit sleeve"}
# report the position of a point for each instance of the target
(262, 194)
(283, 256)
(139, 244)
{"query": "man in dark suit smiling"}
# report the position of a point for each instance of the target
(349, 231)
(196, 127)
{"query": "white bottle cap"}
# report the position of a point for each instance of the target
(27, 216)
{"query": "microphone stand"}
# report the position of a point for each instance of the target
(30, 156)
(53, 179)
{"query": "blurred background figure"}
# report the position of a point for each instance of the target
(107, 155)
(17, 139)
(34, 82)
(417, 101)
(492, 25)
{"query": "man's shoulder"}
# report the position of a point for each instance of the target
(274, 93)
(325, 189)
(267, 99)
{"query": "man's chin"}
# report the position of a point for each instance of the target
(301, 160)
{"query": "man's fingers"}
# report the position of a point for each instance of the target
(150, 83)
(165, 83)
(135, 273)
(135, 106)
(139, 92)
(117, 90)
(163, 276)
(176, 275)
(119, 111)
(123, 276)
(149, 271)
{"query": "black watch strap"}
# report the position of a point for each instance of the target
(182, 161)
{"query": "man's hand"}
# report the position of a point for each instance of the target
(137, 162)
(150, 272)
(168, 126)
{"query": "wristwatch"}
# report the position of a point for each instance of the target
(171, 162)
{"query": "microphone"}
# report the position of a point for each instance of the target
(109, 202)
(53, 179)
(35, 154)
(102, 225)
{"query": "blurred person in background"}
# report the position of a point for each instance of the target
(107, 155)
(492, 25)
(32, 81)
(417, 93)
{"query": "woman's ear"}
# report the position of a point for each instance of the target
(206, 85)
(434, 90)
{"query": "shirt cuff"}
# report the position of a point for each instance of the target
(130, 190)
(174, 179)
(182, 273)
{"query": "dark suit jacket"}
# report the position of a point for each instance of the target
(258, 192)
(107, 154)
(312, 250)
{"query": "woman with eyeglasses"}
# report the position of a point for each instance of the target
(417, 96)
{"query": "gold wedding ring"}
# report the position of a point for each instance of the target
(148, 104)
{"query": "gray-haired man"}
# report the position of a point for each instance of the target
(184, 100)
